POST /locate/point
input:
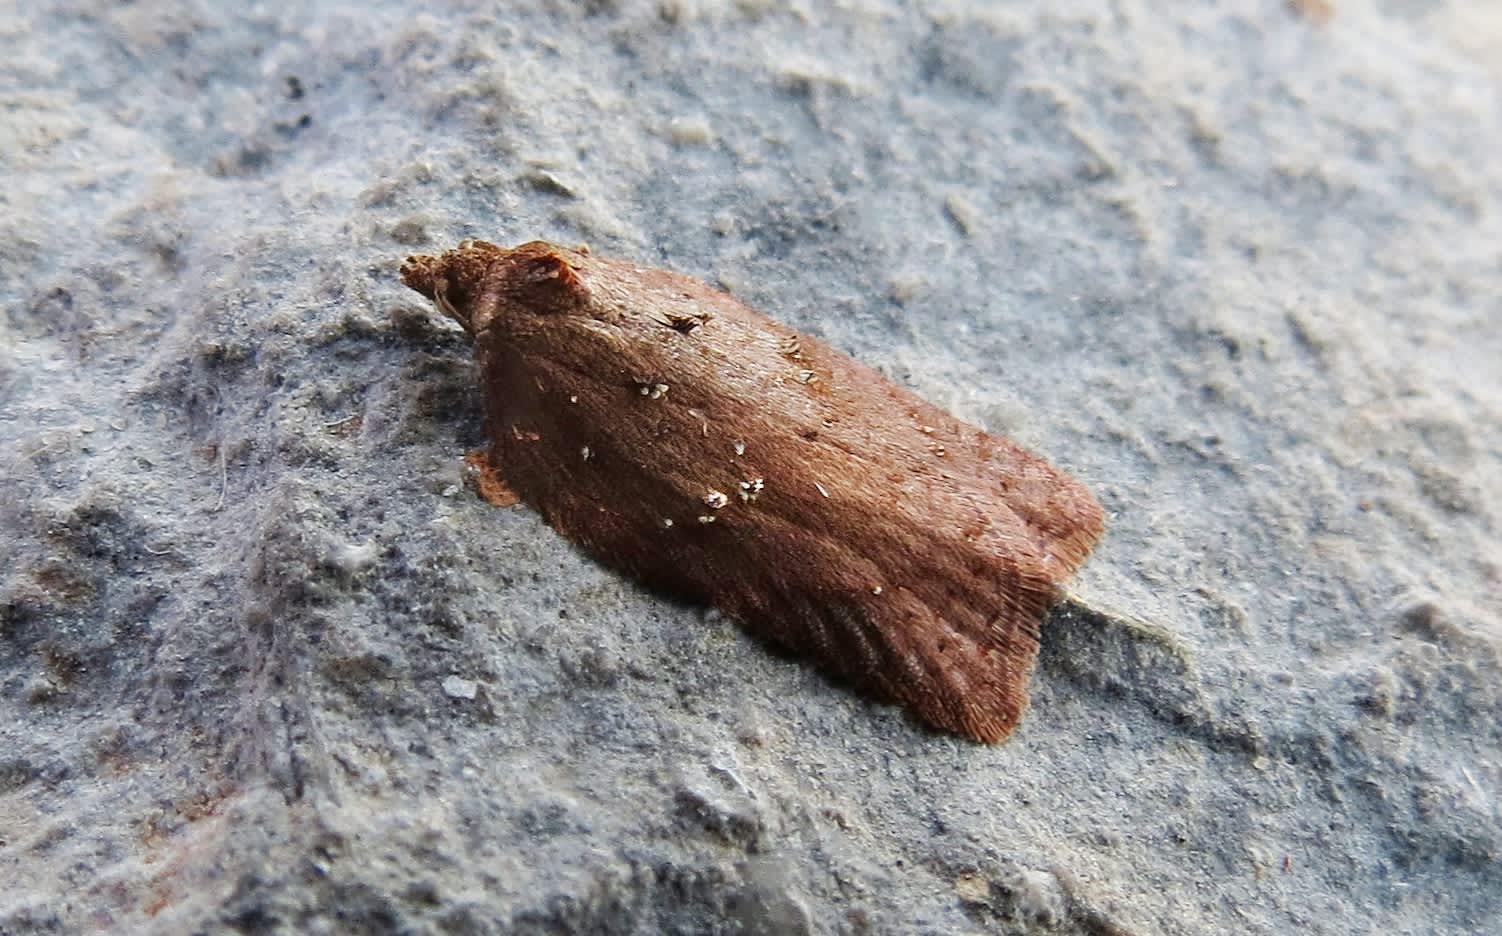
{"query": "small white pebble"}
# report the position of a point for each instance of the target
(690, 131)
(351, 558)
(457, 687)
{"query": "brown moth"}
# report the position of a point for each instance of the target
(684, 438)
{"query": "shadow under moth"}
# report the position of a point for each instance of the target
(685, 439)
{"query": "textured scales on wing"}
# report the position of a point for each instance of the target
(681, 437)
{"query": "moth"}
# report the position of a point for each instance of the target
(685, 439)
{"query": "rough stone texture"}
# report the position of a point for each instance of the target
(268, 665)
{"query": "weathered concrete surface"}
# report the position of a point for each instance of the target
(267, 664)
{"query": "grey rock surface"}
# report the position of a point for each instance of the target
(267, 664)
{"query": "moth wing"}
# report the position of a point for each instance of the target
(960, 662)
(917, 579)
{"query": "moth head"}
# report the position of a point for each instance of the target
(455, 280)
(539, 278)
(478, 281)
